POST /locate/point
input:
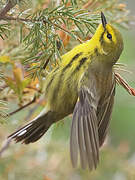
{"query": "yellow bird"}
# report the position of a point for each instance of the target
(84, 85)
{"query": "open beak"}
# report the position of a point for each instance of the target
(104, 21)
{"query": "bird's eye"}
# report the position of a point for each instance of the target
(109, 36)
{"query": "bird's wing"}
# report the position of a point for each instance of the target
(104, 112)
(84, 131)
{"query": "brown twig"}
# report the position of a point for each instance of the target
(16, 19)
(10, 4)
(22, 107)
(5, 146)
(7, 7)
(124, 84)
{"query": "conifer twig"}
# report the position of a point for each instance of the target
(10, 4)
(29, 20)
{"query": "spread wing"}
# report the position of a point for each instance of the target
(104, 112)
(84, 138)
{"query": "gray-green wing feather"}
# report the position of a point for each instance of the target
(84, 132)
(104, 112)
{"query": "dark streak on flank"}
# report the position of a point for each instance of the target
(59, 83)
(70, 63)
(49, 83)
(55, 69)
(57, 87)
(81, 62)
(51, 80)
(91, 56)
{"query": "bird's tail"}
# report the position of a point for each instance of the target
(34, 130)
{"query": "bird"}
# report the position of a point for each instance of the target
(82, 85)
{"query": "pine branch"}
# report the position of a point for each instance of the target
(32, 21)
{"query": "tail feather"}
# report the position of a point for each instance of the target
(37, 134)
(33, 130)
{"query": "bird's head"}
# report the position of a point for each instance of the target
(109, 40)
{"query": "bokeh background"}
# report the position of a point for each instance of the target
(48, 159)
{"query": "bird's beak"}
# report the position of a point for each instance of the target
(104, 21)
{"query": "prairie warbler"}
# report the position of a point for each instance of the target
(84, 85)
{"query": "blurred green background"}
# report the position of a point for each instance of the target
(48, 159)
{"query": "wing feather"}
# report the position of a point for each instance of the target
(94, 140)
(88, 144)
(74, 139)
(104, 115)
(81, 139)
(85, 136)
